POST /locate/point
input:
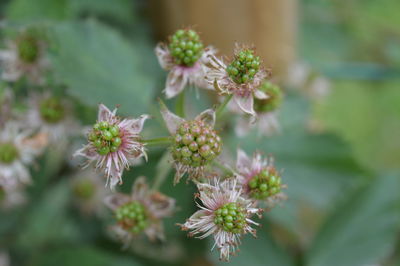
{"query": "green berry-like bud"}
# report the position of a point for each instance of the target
(117, 142)
(265, 184)
(231, 217)
(103, 150)
(28, 49)
(114, 130)
(132, 217)
(51, 110)
(274, 100)
(186, 47)
(103, 125)
(8, 152)
(196, 144)
(244, 66)
(105, 137)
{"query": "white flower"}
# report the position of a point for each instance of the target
(244, 91)
(51, 115)
(181, 75)
(114, 144)
(140, 212)
(24, 57)
(259, 179)
(195, 142)
(17, 151)
(223, 213)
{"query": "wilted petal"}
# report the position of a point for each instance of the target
(243, 161)
(245, 103)
(176, 82)
(140, 187)
(104, 113)
(172, 121)
(137, 124)
(260, 95)
(116, 200)
(207, 116)
(163, 56)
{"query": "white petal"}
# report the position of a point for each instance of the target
(243, 162)
(260, 95)
(245, 103)
(115, 200)
(163, 56)
(104, 113)
(172, 121)
(176, 82)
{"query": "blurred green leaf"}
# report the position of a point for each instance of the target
(28, 10)
(81, 255)
(368, 117)
(99, 66)
(257, 251)
(363, 229)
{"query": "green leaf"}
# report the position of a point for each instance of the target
(81, 255)
(257, 251)
(99, 66)
(363, 229)
(27, 10)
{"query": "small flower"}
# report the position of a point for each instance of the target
(89, 192)
(50, 114)
(267, 120)
(25, 57)
(114, 144)
(242, 77)
(195, 142)
(224, 213)
(259, 179)
(141, 212)
(17, 151)
(184, 57)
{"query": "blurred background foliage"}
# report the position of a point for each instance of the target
(343, 204)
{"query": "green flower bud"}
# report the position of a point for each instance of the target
(244, 66)
(230, 217)
(186, 47)
(132, 217)
(274, 100)
(8, 152)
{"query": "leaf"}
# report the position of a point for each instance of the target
(257, 251)
(100, 66)
(37, 10)
(81, 255)
(363, 229)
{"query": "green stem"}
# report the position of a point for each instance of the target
(157, 141)
(222, 106)
(163, 169)
(180, 105)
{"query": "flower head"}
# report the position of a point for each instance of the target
(223, 213)
(113, 144)
(259, 179)
(195, 142)
(241, 77)
(17, 151)
(50, 114)
(141, 212)
(184, 57)
(25, 56)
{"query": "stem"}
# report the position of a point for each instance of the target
(163, 169)
(157, 141)
(180, 105)
(222, 106)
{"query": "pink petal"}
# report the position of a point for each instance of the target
(104, 113)
(245, 103)
(260, 95)
(115, 200)
(163, 56)
(137, 124)
(243, 162)
(176, 82)
(172, 121)
(140, 188)
(207, 116)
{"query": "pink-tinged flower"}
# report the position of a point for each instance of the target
(266, 121)
(223, 213)
(25, 57)
(195, 143)
(140, 212)
(241, 78)
(89, 192)
(51, 115)
(114, 144)
(18, 148)
(184, 57)
(11, 193)
(259, 178)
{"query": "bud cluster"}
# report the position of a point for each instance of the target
(265, 184)
(28, 49)
(231, 217)
(105, 137)
(8, 152)
(244, 66)
(196, 144)
(273, 101)
(132, 217)
(52, 110)
(186, 47)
